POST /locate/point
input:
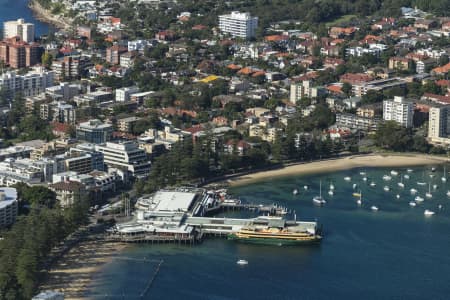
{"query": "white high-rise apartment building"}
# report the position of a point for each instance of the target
(19, 28)
(8, 206)
(439, 124)
(304, 89)
(238, 24)
(29, 84)
(398, 110)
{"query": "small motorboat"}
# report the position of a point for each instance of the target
(374, 208)
(357, 194)
(401, 184)
(435, 186)
(419, 199)
(242, 262)
(448, 193)
(330, 192)
(347, 178)
(406, 176)
(373, 184)
(354, 186)
(409, 170)
(318, 200)
(393, 172)
(413, 191)
(305, 187)
(440, 206)
(387, 177)
(364, 178)
(331, 186)
(362, 173)
(412, 204)
(397, 196)
(295, 192)
(433, 169)
(386, 188)
(428, 212)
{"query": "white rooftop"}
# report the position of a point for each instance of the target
(10, 196)
(173, 201)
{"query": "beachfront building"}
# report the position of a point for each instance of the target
(8, 206)
(398, 110)
(94, 131)
(439, 125)
(19, 28)
(69, 192)
(238, 24)
(125, 156)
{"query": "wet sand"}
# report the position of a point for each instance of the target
(325, 166)
(74, 272)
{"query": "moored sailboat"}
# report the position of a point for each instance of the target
(318, 200)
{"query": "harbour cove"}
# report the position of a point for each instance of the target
(12, 10)
(390, 253)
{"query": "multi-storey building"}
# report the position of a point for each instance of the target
(94, 131)
(357, 122)
(113, 54)
(238, 24)
(29, 84)
(96, 157)
(127, 124)
(18, 54)
(8, 206)
(398, 110)
(124, 94)
(75, 162)
(126, 156)
(70, 66)
(60, 112)
(69, 192)
(19, 28)
(28, 171)
(305, 89)
(64, 91)
(439, 124)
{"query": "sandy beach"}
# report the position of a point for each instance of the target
(372, 160)
(73, 273)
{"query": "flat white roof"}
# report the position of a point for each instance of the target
(10, 196)
(173, 201)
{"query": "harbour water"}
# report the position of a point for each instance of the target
(393, 253)
(15, 9)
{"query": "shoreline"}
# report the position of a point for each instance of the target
(74, 272)
(339, 164)
(45, 16)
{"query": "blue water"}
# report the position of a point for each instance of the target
(14, 9)
(395, 253)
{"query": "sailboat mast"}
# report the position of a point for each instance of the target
(320, 187)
